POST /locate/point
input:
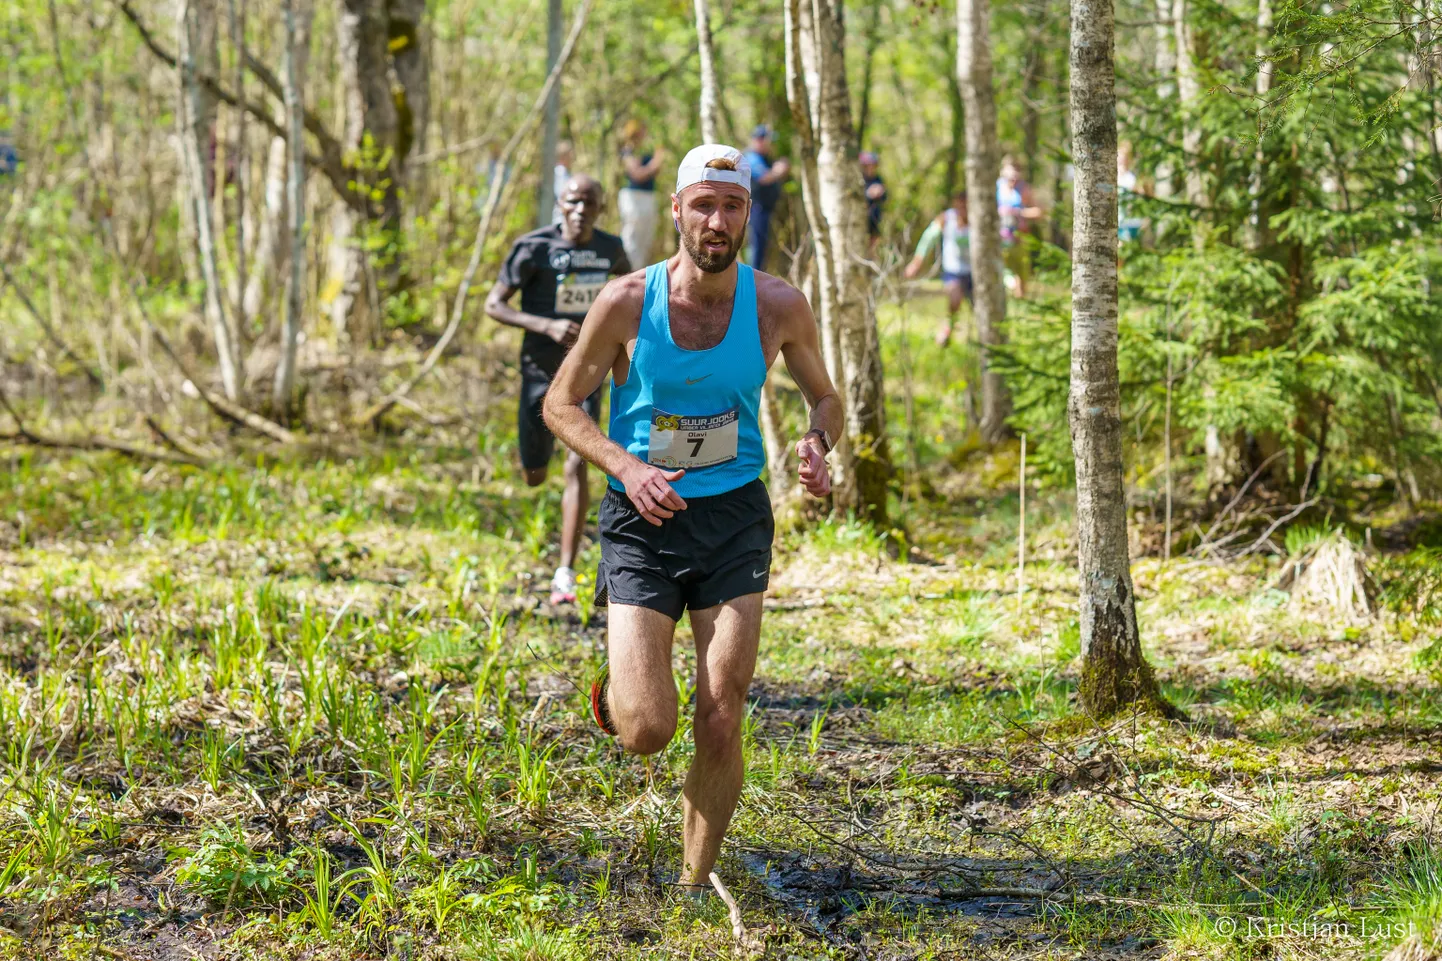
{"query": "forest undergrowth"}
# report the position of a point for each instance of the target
(317, 706)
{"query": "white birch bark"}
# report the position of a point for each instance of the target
(836, 212)
(344, 266)
(242, 166)
(1165, 66)
(283, 386)
(1264, 87)
(1189, 94)
(195, 137)
(264, 259)
(706, 54)
(973, 70)
(1114, 673)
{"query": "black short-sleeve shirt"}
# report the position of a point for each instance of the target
(557, 278)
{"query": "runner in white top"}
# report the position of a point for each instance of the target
(950, 228)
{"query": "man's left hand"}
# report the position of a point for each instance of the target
(815, 475)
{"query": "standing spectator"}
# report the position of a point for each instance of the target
(1018, 211)
(9, 159)
(565, 156)
(638, 198)
(875, 197)
(766, 178)
(1129, 225)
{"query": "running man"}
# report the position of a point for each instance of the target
(1018, 212)
(951, 229)
(558, 270)
(686, 522)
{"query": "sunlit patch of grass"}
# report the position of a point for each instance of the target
(1411, 896)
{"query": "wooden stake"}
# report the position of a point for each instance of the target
(1021, 527)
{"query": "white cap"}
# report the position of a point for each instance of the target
(693, 169)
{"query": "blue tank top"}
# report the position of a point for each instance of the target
(695, 409)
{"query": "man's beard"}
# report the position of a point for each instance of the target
(712, 263)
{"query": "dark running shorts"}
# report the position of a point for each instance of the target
(964, 280)
(717, 549)
(533, 437)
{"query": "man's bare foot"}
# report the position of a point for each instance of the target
(943, 335)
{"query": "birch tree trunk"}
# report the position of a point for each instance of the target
(707, 55)
(242, 165)
(385, 87)
(836, 212)
(197, 124)
(551, 126)
(283, 387)
(266, 254)
(1115, 675)
(1264, 86)
(973, 71)
(1189, 94)
(1165, 66)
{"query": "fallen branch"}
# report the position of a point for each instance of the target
(1266, 534)
(178, 444)
(97, 443)
(25, 435)
(493, 200)
(225, 408)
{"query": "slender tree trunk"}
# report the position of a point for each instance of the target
(384, 84)
(1221, 453)
(973, 70)
(551, 126)
(268, 244)
(956, 155)
(1115, 675)
(196, 134)
(1189, 95)
(873, 41)
(707, 55)
(836, 211)
(242, 162)
(345, 257)
(283, 387)
(1165, 66)
(1259, 159)
(1033, 68)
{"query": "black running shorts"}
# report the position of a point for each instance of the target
(533, 437)
(717, 549)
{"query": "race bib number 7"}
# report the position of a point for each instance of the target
(679, 442)
(575, 293)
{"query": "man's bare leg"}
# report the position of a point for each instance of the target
(953, 304)
(727, 637)
(574, 504)
(641, 693)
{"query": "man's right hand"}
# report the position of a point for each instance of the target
(781, 168)
(649, 488)
(913, 268)
(562, 331)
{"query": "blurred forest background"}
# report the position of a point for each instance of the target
(276, 673)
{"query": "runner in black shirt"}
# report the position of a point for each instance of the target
(558, 271)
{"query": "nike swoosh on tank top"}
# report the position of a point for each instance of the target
(694, 409)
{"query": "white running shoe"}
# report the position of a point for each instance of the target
(563, 586)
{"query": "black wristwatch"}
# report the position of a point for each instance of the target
(825, 438)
